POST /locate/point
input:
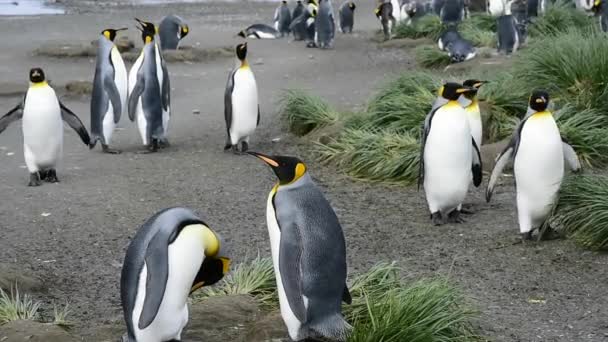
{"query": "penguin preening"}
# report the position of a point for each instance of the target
(109, 98)
(241, 106)
(471, 106)
(325, 25)
(458, 48)
(173, 254)
(347, 16)
(42, 114)
(282, 19)
(448, 155)
(149, 92)
(171, 30)
(259, 31)
(308, 253)
(384, 12)
(538, 153)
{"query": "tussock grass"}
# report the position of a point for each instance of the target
(587, 131)
(60, 316)
(582, 210)
(255, 278)
(428, 56)
(15, 306)
(559, 17)
(478, 36)
(374, 155)
(305, 113)
(483, 22)
(428, 26)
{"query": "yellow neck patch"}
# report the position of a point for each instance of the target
(452, 104)
(212, 243)
(473, 106)
(244, 64)
(106, 34)
(148, 39)
(541, 115)
(39, 84)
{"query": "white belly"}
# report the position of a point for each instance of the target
(474, 118)
(396, 10)
(447, 160)
(539, 168)
(292, 323)
(142, 123)
(244, 106)
(120, 78)
(185, 253)
(133, 73)
(42, 129)
(496, 8)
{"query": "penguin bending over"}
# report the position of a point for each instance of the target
(171, 30)
(347, 16)
(448, 155)
(42, 115)
(241, 106)
(325, 25)
(259, 31)
(149, 92)
(173, 254)
(538, 153)
(109, 98)
(384, 12)
(282, 19)
(308, 253)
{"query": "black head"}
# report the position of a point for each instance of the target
(148, 30)
(111, 33)
(212, 270)
(241, 51)
(452, 90)
(36, 75)
(184, 30)
(539, 100)
(284, 2)
(287, 169)
(352, 5)
(299, 2)
(475, 84)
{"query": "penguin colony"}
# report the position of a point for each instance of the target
(175, 252)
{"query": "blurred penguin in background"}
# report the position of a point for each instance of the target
(282, 19)
(347, 16)
(452, 12)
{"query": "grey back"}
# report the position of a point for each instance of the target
(325, 24)
(507, 33)
(100, 98)
(169, 30)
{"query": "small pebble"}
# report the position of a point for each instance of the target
(196, 112)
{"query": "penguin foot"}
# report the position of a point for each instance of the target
(454, 217)
(35, 179)
(109, 150)
(244, 147)
(51, 176)
(311, 45)
(526, 236)
(436, 218)
(164, 143)
(549, 234)
(466, 211)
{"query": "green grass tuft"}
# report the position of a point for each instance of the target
(60, 316)
(478, 36)
(305, 113)
(582, 210)
(428, 56)
(483, 21)
(15, 306)
(558, 18)
(428, 26)
(587, 131)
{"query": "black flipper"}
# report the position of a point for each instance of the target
(138, 89)
(346, 298)
(13, 115)
(228, 107)
(258, 122)
(73, 121)
(166, 86)
(157, 265)
(477, 166)
(110, 88)
(290, 254)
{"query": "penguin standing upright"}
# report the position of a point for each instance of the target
(325, 25)
(601, 11)
(507, 32)
(147, 101)
(173, 254)
(109, 98)
(300, 25)
(313, 9)
(384, 12)
(452, 12)
(347, 16)
(538, 152)
(308, 253)
(471, 107)
(282, 19)
(171, 30)
(298, 10)
(241, 106)
(42, 115)
(437, 5)
(448, 155)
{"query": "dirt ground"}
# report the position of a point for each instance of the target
(74, 234)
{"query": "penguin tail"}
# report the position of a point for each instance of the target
(333, 327)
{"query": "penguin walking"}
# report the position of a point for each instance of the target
(259, 31)
(241, 106)
(109, 98)
(308, 253)
(171, 30)
(173, 254)
(149, 92)
(448, 155)
(282, 19)
(347, 16)
(458, 48)
(384, 12)
(452, 12)
(538, 153)
(42, 114)
(325, 25)
(471, 107)
(507, 32)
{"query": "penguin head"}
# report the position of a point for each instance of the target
(287, 169)
(184, 30)
(539, 100)
(475, 84)
(452, 91)
(111, 33)
(216, 264)
(242, 34)
(241, 51)
(284, 2)
(352, 5)
(37, 75)
(148, 30)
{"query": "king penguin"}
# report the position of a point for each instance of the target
(325, 25)
(282, 19)
(42, 115)
(297, 11)
(347, 16)
(384, 12)
(471, 107)
(241, 107)
(308, 253)
(452, 12)
(149, 92)
(173, 254)
(448, 155)
(109, 98)
(171, 30)
(538, 153)
(508, 36)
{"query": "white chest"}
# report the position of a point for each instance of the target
(244, 103)
(120, 77)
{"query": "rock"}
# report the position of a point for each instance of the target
(31, 331)
(79, 87)
(26, 282)
(269, 328)
(489, 153)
